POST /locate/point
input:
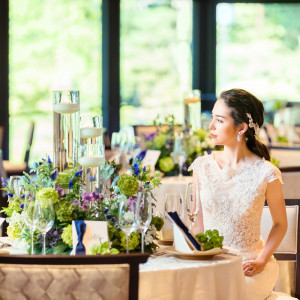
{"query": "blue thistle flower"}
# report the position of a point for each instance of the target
(22, 196)
(71, 183)
(92, 178)
(114, 220)
(9, 195)
(21, 205)
(144, 169)
(49, 160)
(106, 210)
(53, 175)
(78, 173)
(110, 216)
(136, 169)
(4, 182)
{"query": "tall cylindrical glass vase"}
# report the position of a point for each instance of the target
(66, 108)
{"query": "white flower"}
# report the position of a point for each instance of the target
(150, 234)
(129, 217)
(21, 244)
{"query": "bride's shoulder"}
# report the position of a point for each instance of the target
(272, 172)
(199, 161)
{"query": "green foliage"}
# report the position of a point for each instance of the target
(103, 248)
(210, 239)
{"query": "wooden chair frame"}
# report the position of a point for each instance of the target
(133, 260)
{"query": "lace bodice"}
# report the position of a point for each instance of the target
(232, 201)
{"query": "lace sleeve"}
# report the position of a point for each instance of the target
(195, 166)
(273, 173)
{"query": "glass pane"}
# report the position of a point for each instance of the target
(156, 59)
(53, 45)
(258, 49)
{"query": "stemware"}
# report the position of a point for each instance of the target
(191, 203)
(116, 146)
(127, 218)
(29, 215)
(179, 152)
(144, 214)
(44, 218)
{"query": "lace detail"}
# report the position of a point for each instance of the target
(232, 201)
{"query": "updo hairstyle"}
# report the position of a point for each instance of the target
(242, 102)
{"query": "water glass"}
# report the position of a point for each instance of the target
(192, 203)
(29, 220)
(144, 214)
(43, 217)
(128, 218)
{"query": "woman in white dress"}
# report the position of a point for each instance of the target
(234, 184)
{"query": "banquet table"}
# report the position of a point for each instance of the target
(164, 276)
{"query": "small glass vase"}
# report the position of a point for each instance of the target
(66, 109)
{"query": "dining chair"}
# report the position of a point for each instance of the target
(287, 252)
(18, 168)
(107, 277)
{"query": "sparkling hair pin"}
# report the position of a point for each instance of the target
(253, 125)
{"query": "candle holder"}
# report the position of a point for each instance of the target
(192, 109)
(66, 109)
(92, 151)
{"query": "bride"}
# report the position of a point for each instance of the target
(234, 184)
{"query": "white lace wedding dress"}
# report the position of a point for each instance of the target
(232, 202)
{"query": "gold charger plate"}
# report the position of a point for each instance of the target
(196, 255)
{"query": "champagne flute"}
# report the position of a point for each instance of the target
(127, 218)
(179, 152)
(29, 215)
(192, 204)
(144, 214)
(44, 218)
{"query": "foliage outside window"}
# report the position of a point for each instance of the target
(53, 45)
(156, 59)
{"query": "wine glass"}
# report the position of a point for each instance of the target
(173, 202)
(116, 146)
(29, 215)
(144, 214)
(44, 218)
(127, 218)
(179, 152)
(191, 203)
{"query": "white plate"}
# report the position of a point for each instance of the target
(208, 254)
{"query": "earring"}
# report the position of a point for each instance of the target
(239, 136)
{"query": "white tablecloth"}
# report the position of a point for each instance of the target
(166, 278)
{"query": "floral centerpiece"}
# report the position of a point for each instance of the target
(196, 143)
(66, 192)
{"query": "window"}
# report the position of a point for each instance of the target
(53, 45)
(156, 59)
(258, 49)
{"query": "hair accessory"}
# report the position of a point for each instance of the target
(253, 125)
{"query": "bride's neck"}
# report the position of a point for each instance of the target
(234, 155)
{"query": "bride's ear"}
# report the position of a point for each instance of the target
(243, 128)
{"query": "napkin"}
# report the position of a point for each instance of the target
(184, 241)
(86, 234)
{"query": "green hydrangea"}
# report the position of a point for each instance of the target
(166, 164)
(134, 240)
(159, 141)
(67, 235)
(16, 225)
(64, 211)
(128, 185)
(158, 222)
(201, 133)
(46, 196)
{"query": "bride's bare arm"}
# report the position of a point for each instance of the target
(275, 198)
(198, 224)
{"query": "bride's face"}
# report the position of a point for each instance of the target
(222, 129)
